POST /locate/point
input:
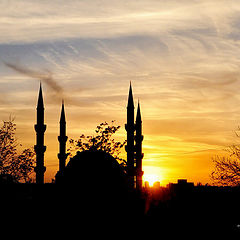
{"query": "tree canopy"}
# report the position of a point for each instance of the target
(227, 168)
(17, 165)
(102, 140)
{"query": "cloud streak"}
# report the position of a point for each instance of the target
(44, 76)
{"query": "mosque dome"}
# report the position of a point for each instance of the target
(94, 169)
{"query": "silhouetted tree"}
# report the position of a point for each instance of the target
(101, 141)
(18, 166)
(227, 169)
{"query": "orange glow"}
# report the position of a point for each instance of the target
(154, 174)
(151, 179)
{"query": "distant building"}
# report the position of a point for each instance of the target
(182, 188)
(182, 183)
(147, 185)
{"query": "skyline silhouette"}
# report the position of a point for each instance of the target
(158, 176)
(120, 118)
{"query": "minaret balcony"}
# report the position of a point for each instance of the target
(40, 128)
(39, 149)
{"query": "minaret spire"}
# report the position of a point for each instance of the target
(62, 117)
(138, 118)
(130, 128)
(62, 138)
(40, 104)
(39, 148)
(130, 97)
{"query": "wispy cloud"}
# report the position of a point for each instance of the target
(181, 56)
(37, 21)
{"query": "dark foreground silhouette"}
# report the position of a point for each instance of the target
(92, 196)
(200, 210)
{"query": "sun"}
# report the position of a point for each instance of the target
(151, 178)
(154, 174)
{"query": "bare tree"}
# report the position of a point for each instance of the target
(227, 169)
(18, 166)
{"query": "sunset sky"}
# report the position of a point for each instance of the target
(182, 57)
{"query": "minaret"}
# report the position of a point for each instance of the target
(130, 128)
(39, 148)
(138, 149)
(62, 138)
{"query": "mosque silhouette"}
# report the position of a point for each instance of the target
(92, 178)
(103, 168)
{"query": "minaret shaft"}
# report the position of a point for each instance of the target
(134, 144)
(39, 148)
(62, 138)
(138, 148)
(130, 128)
